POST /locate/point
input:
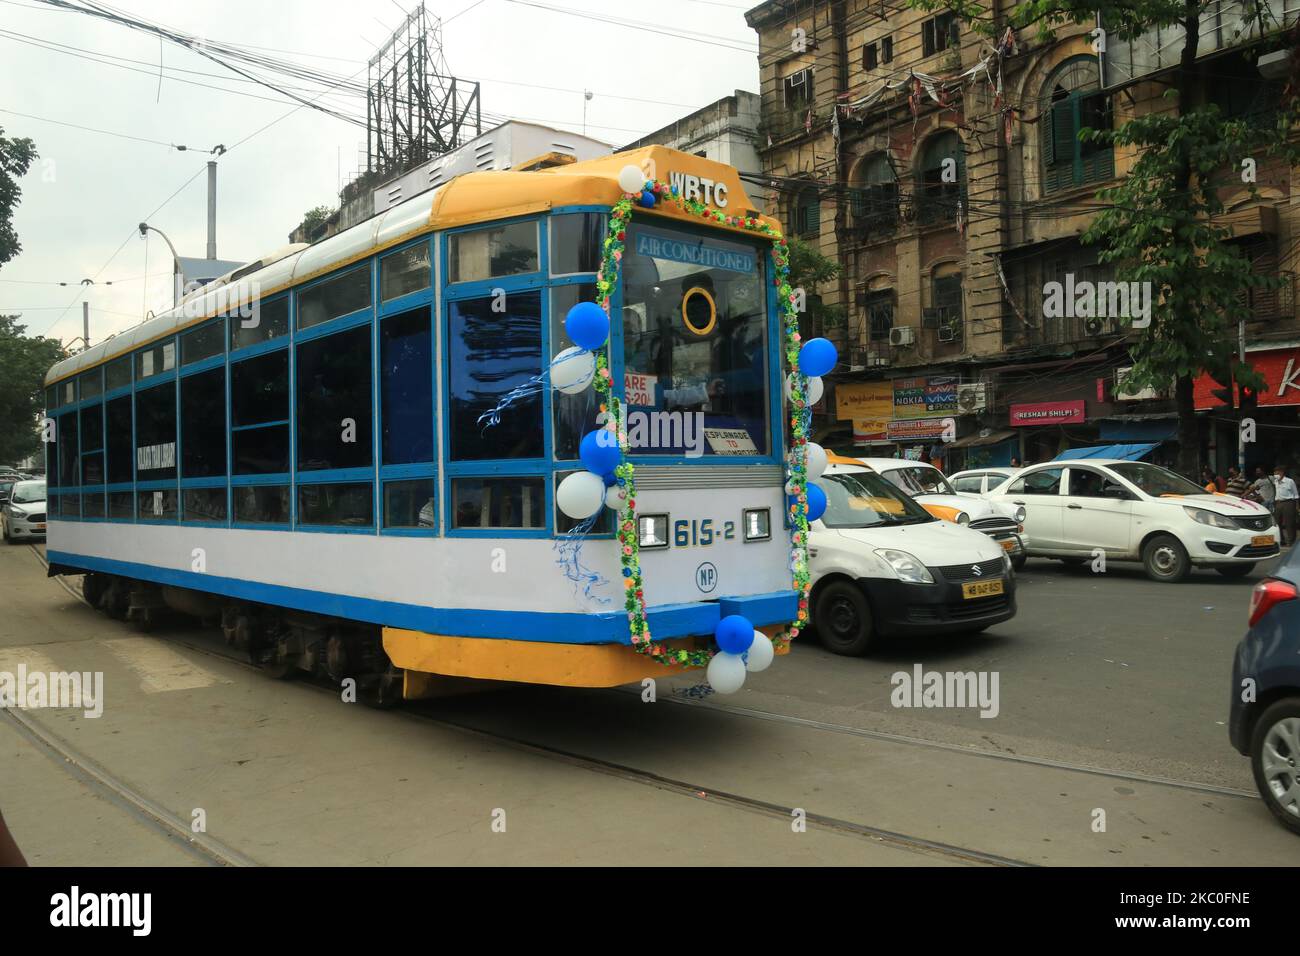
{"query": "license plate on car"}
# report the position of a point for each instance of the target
(979, 589)
(39, 527)
(1261, 541)
(1009, 544)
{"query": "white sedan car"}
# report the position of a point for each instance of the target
(1002, 522)
(978, 481)
(1131, 510)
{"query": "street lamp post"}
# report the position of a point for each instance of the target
(176, 261)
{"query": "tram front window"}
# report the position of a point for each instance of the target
(695, 356)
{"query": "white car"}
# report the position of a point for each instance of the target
(1001, 521)
(1135, 511)
(979, 481)
(883, 565)
(23, 516)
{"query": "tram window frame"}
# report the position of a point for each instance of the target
(342, 284)
(543, 504)
(271, 322)
(269, 424)
(592, 228)
(211, 492)
(320, 412)
(407, 409)
(95, 379)
(91, 439)
(207, 335)
(249, 493)
(156, 358)
(403, 265)
(163, 412)
(563, 443)
(119, 447)
(306, 520)
(112, 376)
(495, 264)
(168, 498)
(407, 484)
(68, 448)
(205, 414)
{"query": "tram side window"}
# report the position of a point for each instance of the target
(261, 504)
(335, 297)
(259, 415)
(489, 353)
(119, 442)
(92, 384)
(117, 374)
(576, 241)
(269, 320)
(410, 504)
(406, 387)
(404, 272)
(351, 504)
(155, 434)
(202, 343)
(203, 424)
(334, 401)
(92, 445)
(68, 441)
(155, 359)
(573, 415)
(157, 505)
(498, 503)
(493, 252)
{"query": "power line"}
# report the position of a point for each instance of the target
(105, 132)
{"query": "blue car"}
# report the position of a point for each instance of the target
(1264, 720)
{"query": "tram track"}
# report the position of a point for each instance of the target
(739, 801)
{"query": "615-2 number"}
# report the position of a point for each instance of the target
(700, 533)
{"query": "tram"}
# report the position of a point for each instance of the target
(541, 426)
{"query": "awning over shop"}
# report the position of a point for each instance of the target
(1126, 452)
(1138, 430)
(977, 440)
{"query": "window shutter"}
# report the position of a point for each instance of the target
(1049, 140)
(1065, 131)
(813, 217)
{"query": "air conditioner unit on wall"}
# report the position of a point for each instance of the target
(902, 335)
(972, 397)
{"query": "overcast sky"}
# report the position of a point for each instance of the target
(87, 192)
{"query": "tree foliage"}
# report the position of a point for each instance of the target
(24, 361)
(314, 217)
(16, 156)
(808, 270)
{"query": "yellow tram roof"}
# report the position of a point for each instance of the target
(470, 198)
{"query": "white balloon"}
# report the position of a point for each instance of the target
(817, 460)
(790, 489)
(580, 495)
(573, 370)
(760, 653)
(615, 497)
(812, 390)
(726, 672)
(631, 179)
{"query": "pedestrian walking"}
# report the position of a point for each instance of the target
(1286, 495)
(1236, 485)
(1262, 489)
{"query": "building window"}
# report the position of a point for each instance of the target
(1072, 102)
(939, 33)
(492, 253)
(870, 56)
(259, 414)
(489, 353)
(806, 213)
(1264, 302)
(879, 308)
(942, 178)
(332, 378)
(269, 320)
(798, 89)
(335, 297)
(873, 199)
(945, 313)
(887, 50)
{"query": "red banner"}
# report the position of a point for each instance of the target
(1049, 413)
(1281, 371)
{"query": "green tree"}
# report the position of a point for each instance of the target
(315, 217)
(808, 270)
(1158, 226)
(25, 361)
(16, 156)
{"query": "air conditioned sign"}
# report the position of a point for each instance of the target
(696, 253)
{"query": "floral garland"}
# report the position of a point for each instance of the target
(797, 459)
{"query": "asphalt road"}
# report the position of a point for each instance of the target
(1109, 672)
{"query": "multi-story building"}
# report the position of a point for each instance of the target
(942, 168)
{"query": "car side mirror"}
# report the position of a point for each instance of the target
(1114, 491)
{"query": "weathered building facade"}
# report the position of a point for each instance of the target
(942, 168)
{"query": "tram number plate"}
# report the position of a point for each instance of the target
(1261, 541)
(702, 533)
(979, 589)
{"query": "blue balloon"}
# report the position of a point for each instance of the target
(647, 198)
(599, 451)
(816, 502)
(611, 480)
(734, 634)
(588, 325)
(817, 357)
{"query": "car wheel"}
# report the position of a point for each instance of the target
(1165, 559)
(1275, 760)
(1018, 562)
(842, 618)
(1235, 570)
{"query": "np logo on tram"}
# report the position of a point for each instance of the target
(706, 577)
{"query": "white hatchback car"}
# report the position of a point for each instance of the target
(978, 481)
(1132, 510)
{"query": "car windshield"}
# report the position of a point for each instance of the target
(29, 492)
(1156, 481)
(863, 499)
(920, 480)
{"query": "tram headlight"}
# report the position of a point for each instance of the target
(652, 531)
(758, 524)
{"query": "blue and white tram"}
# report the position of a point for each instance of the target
(355, 453)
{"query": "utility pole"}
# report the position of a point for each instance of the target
(1241, 431)
(212, 209)
(85, 322)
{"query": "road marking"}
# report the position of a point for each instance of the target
(159, 668)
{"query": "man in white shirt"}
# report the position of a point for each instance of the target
(1285, 504)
